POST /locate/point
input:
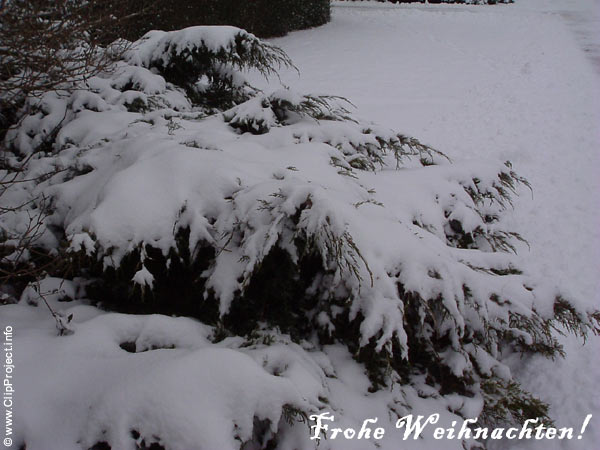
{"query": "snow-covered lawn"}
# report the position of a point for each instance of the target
(518, 82)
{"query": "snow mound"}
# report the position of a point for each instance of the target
(133, 381)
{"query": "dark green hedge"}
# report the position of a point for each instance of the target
(470, 2)
(264, 18)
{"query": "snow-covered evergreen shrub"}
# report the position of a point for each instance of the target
(281, 214)
(205, 61)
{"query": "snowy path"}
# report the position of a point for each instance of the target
(582, 18)
(518, 82)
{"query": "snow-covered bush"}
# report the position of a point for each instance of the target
(48, 44)
(281, 218)
(206, 61)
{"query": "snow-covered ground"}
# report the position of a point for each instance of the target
(519, 82)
